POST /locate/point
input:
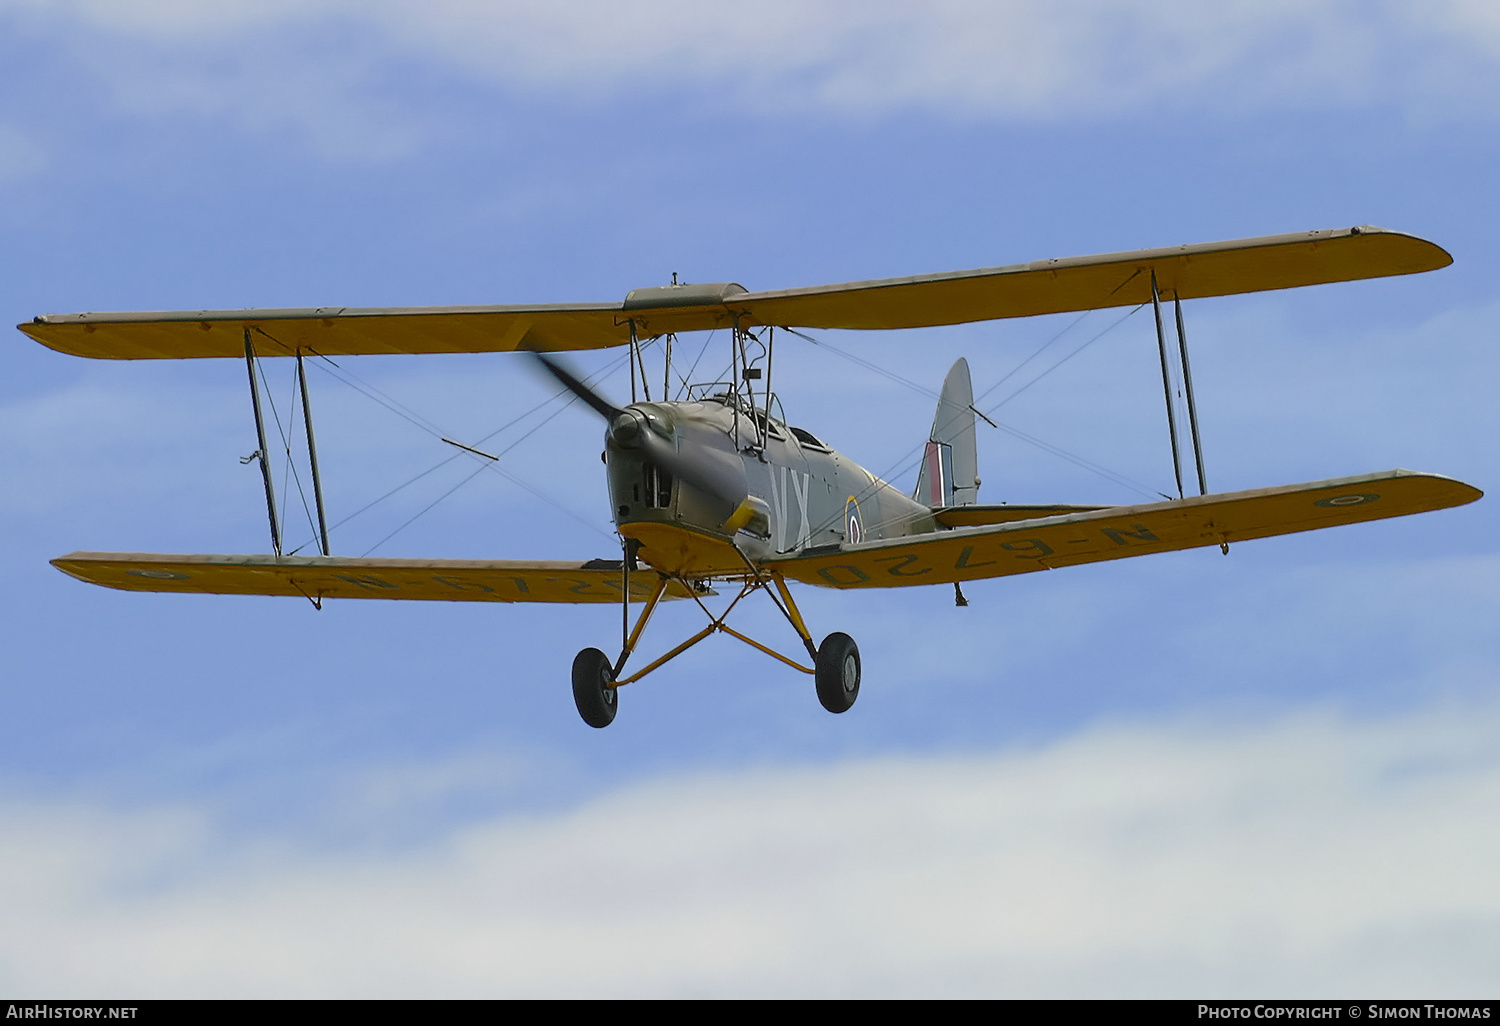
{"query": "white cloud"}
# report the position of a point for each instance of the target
(321, 66)
(1311, 856)
(265, 67)
(162, 19)
(1005, 57)
(326, 97)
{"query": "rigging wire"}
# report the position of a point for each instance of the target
(1130, 483)
(890, 375)
(1042, 348)
(354, 381)
(381, 398)
(1059, 363)
(434, 502)
(686, 380)
(1079, 461)
(905, 462)
(493, 465)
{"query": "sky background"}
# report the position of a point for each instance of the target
(1185, 776)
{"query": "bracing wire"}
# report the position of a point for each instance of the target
(406, 413)
(689, 378)
(393, 491)
(357, 383)
(1040, 349)
(868, 365)
(906, 462)
(1131, 313)
(424, 509)
(492, 465)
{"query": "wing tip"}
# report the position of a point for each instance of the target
(1468, 491)
(1438, 257)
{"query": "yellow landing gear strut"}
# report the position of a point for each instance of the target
(835, 664)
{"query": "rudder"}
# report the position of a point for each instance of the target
(950, 464)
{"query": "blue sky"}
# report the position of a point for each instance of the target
(1184, 776)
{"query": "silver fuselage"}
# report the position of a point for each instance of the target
(811, 496)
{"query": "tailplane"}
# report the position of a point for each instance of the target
(950, 464)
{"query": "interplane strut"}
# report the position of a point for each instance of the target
(1187, 384)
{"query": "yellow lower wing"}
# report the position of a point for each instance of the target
(972, 553)
(320, 577)
(984, 516)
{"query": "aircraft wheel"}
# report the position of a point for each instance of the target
(838, 672)
(596, 700)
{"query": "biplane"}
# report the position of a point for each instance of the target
(711, 484)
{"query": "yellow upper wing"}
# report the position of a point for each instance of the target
(972, 553)
(1108, 280)
(330, 331)
(1019, 290)
(320, 577)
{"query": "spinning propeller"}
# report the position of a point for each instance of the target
(714, 471)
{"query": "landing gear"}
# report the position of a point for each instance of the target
(593, 688)
(835, 663)
(838, 672)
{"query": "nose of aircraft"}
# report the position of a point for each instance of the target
(625, 429)
(704, 461)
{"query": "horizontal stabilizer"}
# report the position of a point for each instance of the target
(320, 577)
(1116, 532)
(956, 297)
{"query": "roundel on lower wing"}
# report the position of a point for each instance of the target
(854, 526)
(159, 575)
(1355, 499)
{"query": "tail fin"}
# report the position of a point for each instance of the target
(950, 466)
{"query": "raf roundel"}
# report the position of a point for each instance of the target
(854, 526)
(1356, 499)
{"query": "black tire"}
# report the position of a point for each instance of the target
(593, 675)
(838, 672)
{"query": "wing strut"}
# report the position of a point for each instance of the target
(1187, 380)
(263, 453)
(1187, 384)
(312, 452)
(1166, 382)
